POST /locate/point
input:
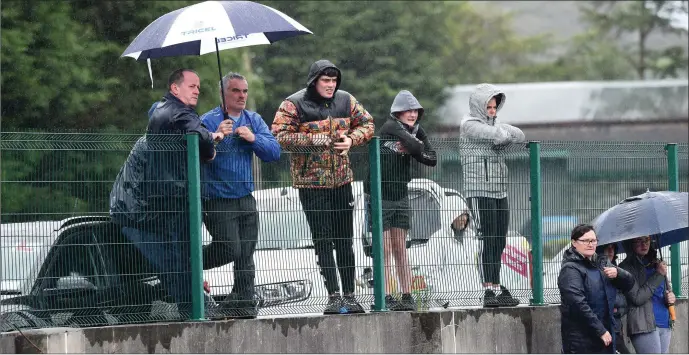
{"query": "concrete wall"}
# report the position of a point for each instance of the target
(507, 330)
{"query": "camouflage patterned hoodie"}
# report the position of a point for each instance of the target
(303, 115)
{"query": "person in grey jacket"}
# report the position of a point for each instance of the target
(485, 183)
(648, 323)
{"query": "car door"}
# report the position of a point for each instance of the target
(70, 285)
(131, 280)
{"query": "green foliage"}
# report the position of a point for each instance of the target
(49, 79)
(611, 21)
(478, 45)
(63, 70)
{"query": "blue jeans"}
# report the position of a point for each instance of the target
(655, 342)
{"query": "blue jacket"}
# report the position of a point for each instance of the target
(229, 174)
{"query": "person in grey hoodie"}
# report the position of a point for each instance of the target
(485, 183)
(402, 138)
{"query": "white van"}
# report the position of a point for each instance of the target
(445, 267)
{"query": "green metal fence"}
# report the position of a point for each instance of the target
(66, 263)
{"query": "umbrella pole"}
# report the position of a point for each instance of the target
(222, 88)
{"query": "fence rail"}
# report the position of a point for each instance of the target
(66, 262)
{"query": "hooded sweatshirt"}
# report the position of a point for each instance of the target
(483, 164)
(399, 143)
(305, 114)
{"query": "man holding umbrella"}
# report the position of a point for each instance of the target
(229, 207)
(149, 198)
(320, 123)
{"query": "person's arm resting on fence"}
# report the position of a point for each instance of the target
(187, 120)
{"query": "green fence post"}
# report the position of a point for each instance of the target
(536, 220)
(377, 230)
(194, 179)
(673, 185)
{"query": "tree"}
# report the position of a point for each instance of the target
(480, 48)
(48, 80)
(614, 21)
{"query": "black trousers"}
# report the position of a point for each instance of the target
(233, 225)
(330, 214)
(491, 218)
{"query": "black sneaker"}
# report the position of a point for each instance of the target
(391, 303)
(505, 298)
(350, 305)
(489, 299)
(334, 304)
(407, 303)
(235, 307)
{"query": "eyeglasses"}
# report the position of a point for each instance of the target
(588, 241)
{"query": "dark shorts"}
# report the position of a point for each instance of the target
(396, 214)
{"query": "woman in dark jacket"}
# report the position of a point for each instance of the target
(587, 296)
(620, 308)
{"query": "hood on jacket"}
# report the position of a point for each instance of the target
(453, 207)
(405, 101)
(480, 97)
(316, 70)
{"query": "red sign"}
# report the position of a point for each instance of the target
(516, 260)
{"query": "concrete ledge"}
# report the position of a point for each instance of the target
(502, 330)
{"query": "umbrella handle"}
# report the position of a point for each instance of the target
(222, 88)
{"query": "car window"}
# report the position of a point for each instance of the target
(122, 258)
(425, 216)
(70, 264)
(424, 212)
(282, 225)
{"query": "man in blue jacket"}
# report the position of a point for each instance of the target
(230, 208)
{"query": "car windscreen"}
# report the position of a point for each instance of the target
(282, 225)
(425, 215)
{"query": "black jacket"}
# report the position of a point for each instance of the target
(153, 179)
(399, 143)
(587, 298)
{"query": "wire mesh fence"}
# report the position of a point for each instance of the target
(586, 179)
(683, 180)
(95, 226)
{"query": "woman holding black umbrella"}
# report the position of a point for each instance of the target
(648, 319)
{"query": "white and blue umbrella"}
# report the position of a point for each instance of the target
(664, 214)
(212, 26)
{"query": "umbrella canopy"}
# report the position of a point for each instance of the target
(212, 26)
(662, 213)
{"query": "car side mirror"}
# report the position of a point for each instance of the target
(74, 281)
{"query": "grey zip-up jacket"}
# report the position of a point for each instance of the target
(483, 161)
(640, 316)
